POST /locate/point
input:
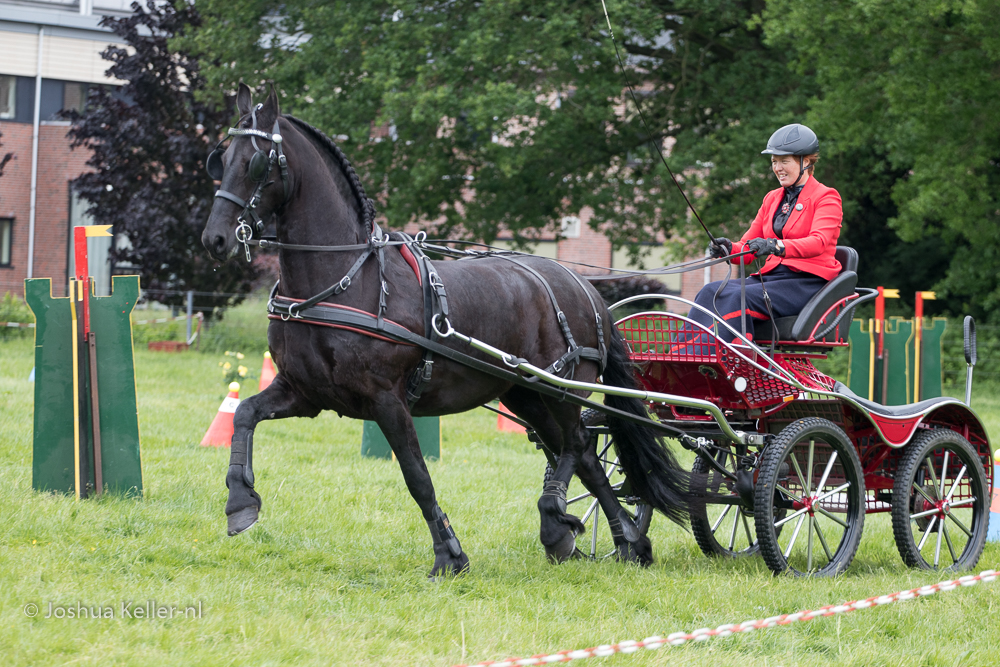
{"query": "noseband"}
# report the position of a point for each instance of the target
(258, 170)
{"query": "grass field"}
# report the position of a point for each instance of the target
(335, 573)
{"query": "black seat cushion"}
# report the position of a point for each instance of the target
(848, 258)
(798, 327)
(891, 410)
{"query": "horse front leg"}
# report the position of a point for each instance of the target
(396, 423)
(277, 401)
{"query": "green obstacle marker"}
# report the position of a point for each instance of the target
(86, 424)
(374, 444)
(910, 360)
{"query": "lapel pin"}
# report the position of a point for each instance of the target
(798, 207)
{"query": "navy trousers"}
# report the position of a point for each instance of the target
(789, 290)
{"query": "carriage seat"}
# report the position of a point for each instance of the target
(897, 411)
(798, 327)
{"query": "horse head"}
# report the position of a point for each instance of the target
(253, 175)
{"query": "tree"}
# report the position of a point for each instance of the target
(149, 140)
(915, 83)
(521, 104)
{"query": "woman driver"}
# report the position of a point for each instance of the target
(796, 229)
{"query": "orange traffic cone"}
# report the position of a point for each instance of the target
(267, 372)
(507, 425)
(220, 433)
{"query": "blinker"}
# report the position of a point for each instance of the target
(258, 167)
(213, 165)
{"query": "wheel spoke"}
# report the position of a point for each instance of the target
(944, 475)
(961, 525)
(795, 535)
(822, 540)
(937, 548)
(947, 538)
(958, 479)
(746, 529)
(788, 518)
(831, 516)
(920, 515)
(962, 503)
(788, 493)
(590, 511)
(593, 538)
(732, 535)
(927, 532)
(812, 447)
(809, 545)
(826, 473)
(930, 467)
(923, 493)
(831, 493)
(798, 471)
(722, 516)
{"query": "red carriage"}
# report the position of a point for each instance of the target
(794, 459)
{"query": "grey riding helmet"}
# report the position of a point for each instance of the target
(794, 139)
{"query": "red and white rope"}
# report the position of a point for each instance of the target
(678, 638)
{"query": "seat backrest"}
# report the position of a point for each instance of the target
(848, 258)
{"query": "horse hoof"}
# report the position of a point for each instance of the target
(451, 567)
(562, 550)
(242, 520)
(640, 553)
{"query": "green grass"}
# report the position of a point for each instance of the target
(335, 573)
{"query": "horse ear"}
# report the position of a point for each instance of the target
(243, 101)
(270, 109)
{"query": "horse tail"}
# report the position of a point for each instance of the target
(651, 468)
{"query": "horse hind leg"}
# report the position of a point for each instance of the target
(277, 401)
(396, 423)
(558, 530)
(631, 545)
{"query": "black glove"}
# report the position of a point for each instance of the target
(763, 247)
(720, 247)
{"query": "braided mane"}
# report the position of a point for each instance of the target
(367, 205)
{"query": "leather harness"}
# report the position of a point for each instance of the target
(315, 310)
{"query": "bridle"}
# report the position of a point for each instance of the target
(258, 170)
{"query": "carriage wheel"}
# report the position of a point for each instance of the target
(599, 543)
(810, 474)
(723, 528)
(940, 498)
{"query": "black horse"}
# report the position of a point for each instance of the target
(305, 182)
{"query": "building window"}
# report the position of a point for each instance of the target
(75, 96)
(8, 97)
(570, 227)
(6, 232)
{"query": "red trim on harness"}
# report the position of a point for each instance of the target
(412, 261)
(304, 320)
(338, 326)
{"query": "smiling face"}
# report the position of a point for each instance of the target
(786, 169)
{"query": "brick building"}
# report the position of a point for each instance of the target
(51, 57)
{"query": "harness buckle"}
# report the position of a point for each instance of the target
(344, 283)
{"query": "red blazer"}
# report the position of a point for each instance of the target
(810, 235)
